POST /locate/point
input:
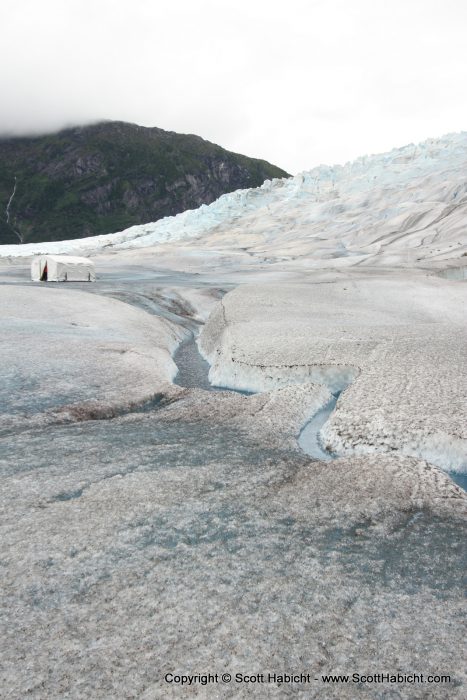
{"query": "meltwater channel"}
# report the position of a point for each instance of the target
(193, 369)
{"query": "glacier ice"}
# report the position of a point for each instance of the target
(398, 342)
(397, 207)
(193, 532)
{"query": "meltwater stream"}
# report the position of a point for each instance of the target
(193, 372)
(309, 439)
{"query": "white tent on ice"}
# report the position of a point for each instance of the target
(62, 268)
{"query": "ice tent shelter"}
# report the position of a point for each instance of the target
(62, 268)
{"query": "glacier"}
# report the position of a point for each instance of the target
(150, 526)
(392, 208)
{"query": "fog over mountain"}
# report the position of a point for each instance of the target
(297, 84)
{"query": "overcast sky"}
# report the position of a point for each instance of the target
(297, 82)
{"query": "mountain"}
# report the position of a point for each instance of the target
(108, 176)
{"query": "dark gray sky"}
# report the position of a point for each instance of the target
(298, 82)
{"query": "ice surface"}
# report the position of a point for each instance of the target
(197, 535)
(398, 340)
(189, 531)
(175, 540)
(68, 354)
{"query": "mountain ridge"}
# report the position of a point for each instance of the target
(89, 180)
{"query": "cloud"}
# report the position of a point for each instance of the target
(297, 83)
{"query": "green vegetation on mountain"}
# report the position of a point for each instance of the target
(105, 177)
